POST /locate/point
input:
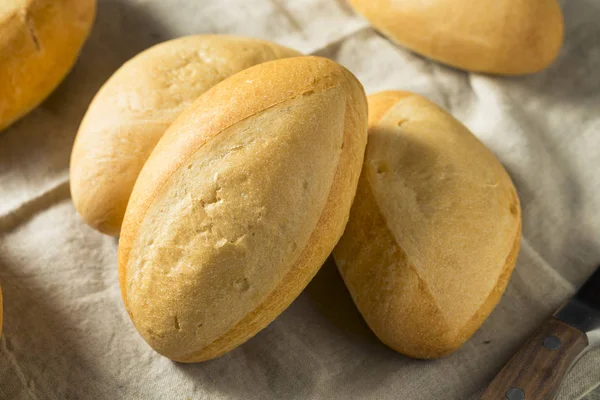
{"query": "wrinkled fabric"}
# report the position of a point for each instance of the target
(67, 335)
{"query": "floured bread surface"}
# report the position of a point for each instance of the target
(137, 104)
(434, 229)
(501, 37)
(39, 43)
(240, 204)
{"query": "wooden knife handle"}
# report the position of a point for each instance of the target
(537, 370)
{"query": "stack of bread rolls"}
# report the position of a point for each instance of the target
(230, 168)
(240, 203)
(229, 186)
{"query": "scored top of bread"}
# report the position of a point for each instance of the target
(240, 204)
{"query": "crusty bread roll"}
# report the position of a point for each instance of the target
(509, 37)
(137, 104)
(434, 230)
(240, 203)
(39, 43)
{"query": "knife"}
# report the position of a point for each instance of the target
(538, 368)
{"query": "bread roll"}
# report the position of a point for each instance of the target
(509, 37)
(135, 107)
(39, 43)
(434, 230)
(239, 205)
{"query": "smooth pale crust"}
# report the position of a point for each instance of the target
(239, 205)
(510, 37)
(434, 230)
(39, 43)
(135, 107)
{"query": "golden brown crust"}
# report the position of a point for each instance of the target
(419, 274)
(382, 102)
(39, 43)
(488, 306)
(397, 323)
(137, 104)
(278, 90)
(509, 37)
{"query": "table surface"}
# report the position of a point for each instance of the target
(595, 395)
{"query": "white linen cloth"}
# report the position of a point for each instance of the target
(67, 335)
